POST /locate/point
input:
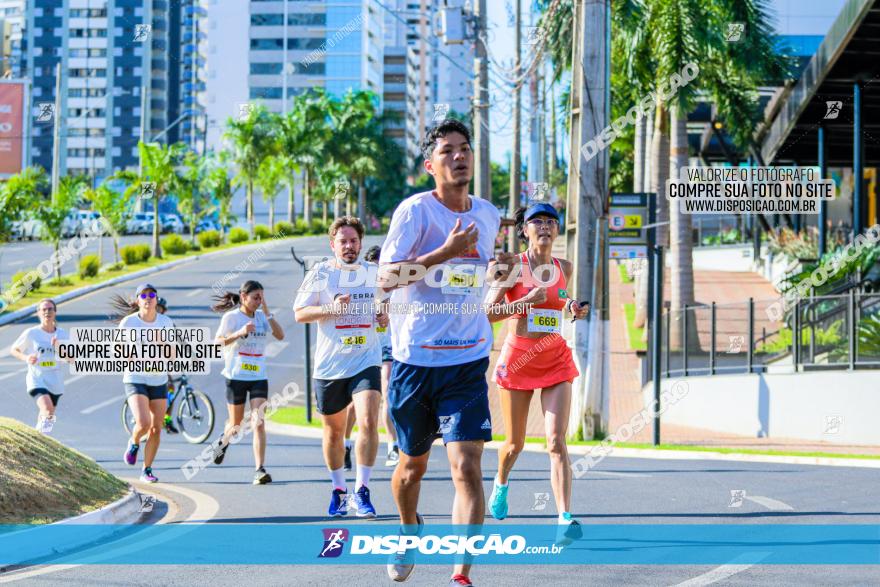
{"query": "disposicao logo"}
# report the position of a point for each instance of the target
(334, 541)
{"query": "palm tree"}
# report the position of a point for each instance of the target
(52, 212)
(159, 172)
(253, 139)
(192, 202)
(359, 132)
(217, 183)
(17, 193)
(115, 208)
(306, 133)
(692, 31)
(270, 176)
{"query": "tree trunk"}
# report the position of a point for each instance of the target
(115, 249)
(324, 204)
(307, 197)
(101, 248)
(639, 155)
(157, 251)
(681, 241)
(250, 206)
(192, 230)
(362, 203)
(337, 204)
(649, 142)
(348, 210)
(660, 172)
(291, 206)
(57, 265)
(646, 185)
(272, 213)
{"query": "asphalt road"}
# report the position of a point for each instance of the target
(620, 491)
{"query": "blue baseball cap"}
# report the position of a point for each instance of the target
(143, 287)
(541, 208)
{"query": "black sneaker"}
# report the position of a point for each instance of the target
(347, 465)
(261, 477)
(170, 429)
(220, 451)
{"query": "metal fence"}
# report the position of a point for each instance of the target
(821, 332)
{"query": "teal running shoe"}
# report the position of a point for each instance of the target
(498, 501)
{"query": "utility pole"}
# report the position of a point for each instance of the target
(515, 186)
(482, 169)
(587, 193)
(56, 134)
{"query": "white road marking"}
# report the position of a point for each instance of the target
(5, 351)
(273, 348)
(769, 503)
(262, 266)
(74, 378)
(737, 565)
(14, 373)
(16, 263)
(616, 474)
(194, 292)
(103, 404)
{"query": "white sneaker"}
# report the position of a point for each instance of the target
(48, 425)
(401, 564)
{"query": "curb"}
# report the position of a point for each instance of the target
(76, 293)
(122, 511)
(636, 453)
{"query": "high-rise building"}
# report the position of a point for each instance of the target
(109, 51)
(334, 44)
(227, 66)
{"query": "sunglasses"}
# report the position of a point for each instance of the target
(150, 295)
(543, 222)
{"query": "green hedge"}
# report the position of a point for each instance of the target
(262, 232)
(89, 266)
(134, 254)
(208, 239)
(284, 228)
(173, 244)
(238, 235)
(20, 277)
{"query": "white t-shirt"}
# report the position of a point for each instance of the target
(347, 344)
(134, 321)
(245, 359)
(45, 372)
(450, 336)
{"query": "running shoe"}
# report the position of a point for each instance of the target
(460, 581)
(131, 455)
(148, 477)
(347, 465)
(393, 457)
(365, 508)
(48, 425)
(261, 477)
(498, 501)
(220, 450)
(569, 530)
(401, 564)
(338, 503)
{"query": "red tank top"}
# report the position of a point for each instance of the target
(557, 294)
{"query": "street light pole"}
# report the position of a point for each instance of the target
(515, 185)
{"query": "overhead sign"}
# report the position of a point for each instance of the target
(627, 217)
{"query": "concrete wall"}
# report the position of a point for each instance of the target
(839, 407)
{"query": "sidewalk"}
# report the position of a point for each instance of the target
(625, 393)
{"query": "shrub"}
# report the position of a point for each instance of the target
(318, 227)
(130, 254)
(262, 232)
(301, 227)
(173, 244)
(61, 282)
(284, 228)
(89, 266)
(144, 252)
(115, 267)
(208, 239)
(20, 277)
(238, 235)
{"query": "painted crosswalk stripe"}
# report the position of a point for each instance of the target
(103, 404)
(14, 373)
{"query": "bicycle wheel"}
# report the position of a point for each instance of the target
(195, 416)
(127, 417)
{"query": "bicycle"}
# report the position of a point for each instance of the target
(195, 412)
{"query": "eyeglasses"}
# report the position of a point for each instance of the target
(150, 295)
(551, 222)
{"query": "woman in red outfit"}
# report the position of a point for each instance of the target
(536, 356)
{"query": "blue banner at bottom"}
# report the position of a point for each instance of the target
(369, 543)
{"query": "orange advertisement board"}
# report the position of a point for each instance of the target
(12, 127)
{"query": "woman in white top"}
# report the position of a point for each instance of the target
(36, 347)
(243, 332)
(146, 392)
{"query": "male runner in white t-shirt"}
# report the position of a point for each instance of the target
(441, 352)
(339, 294)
